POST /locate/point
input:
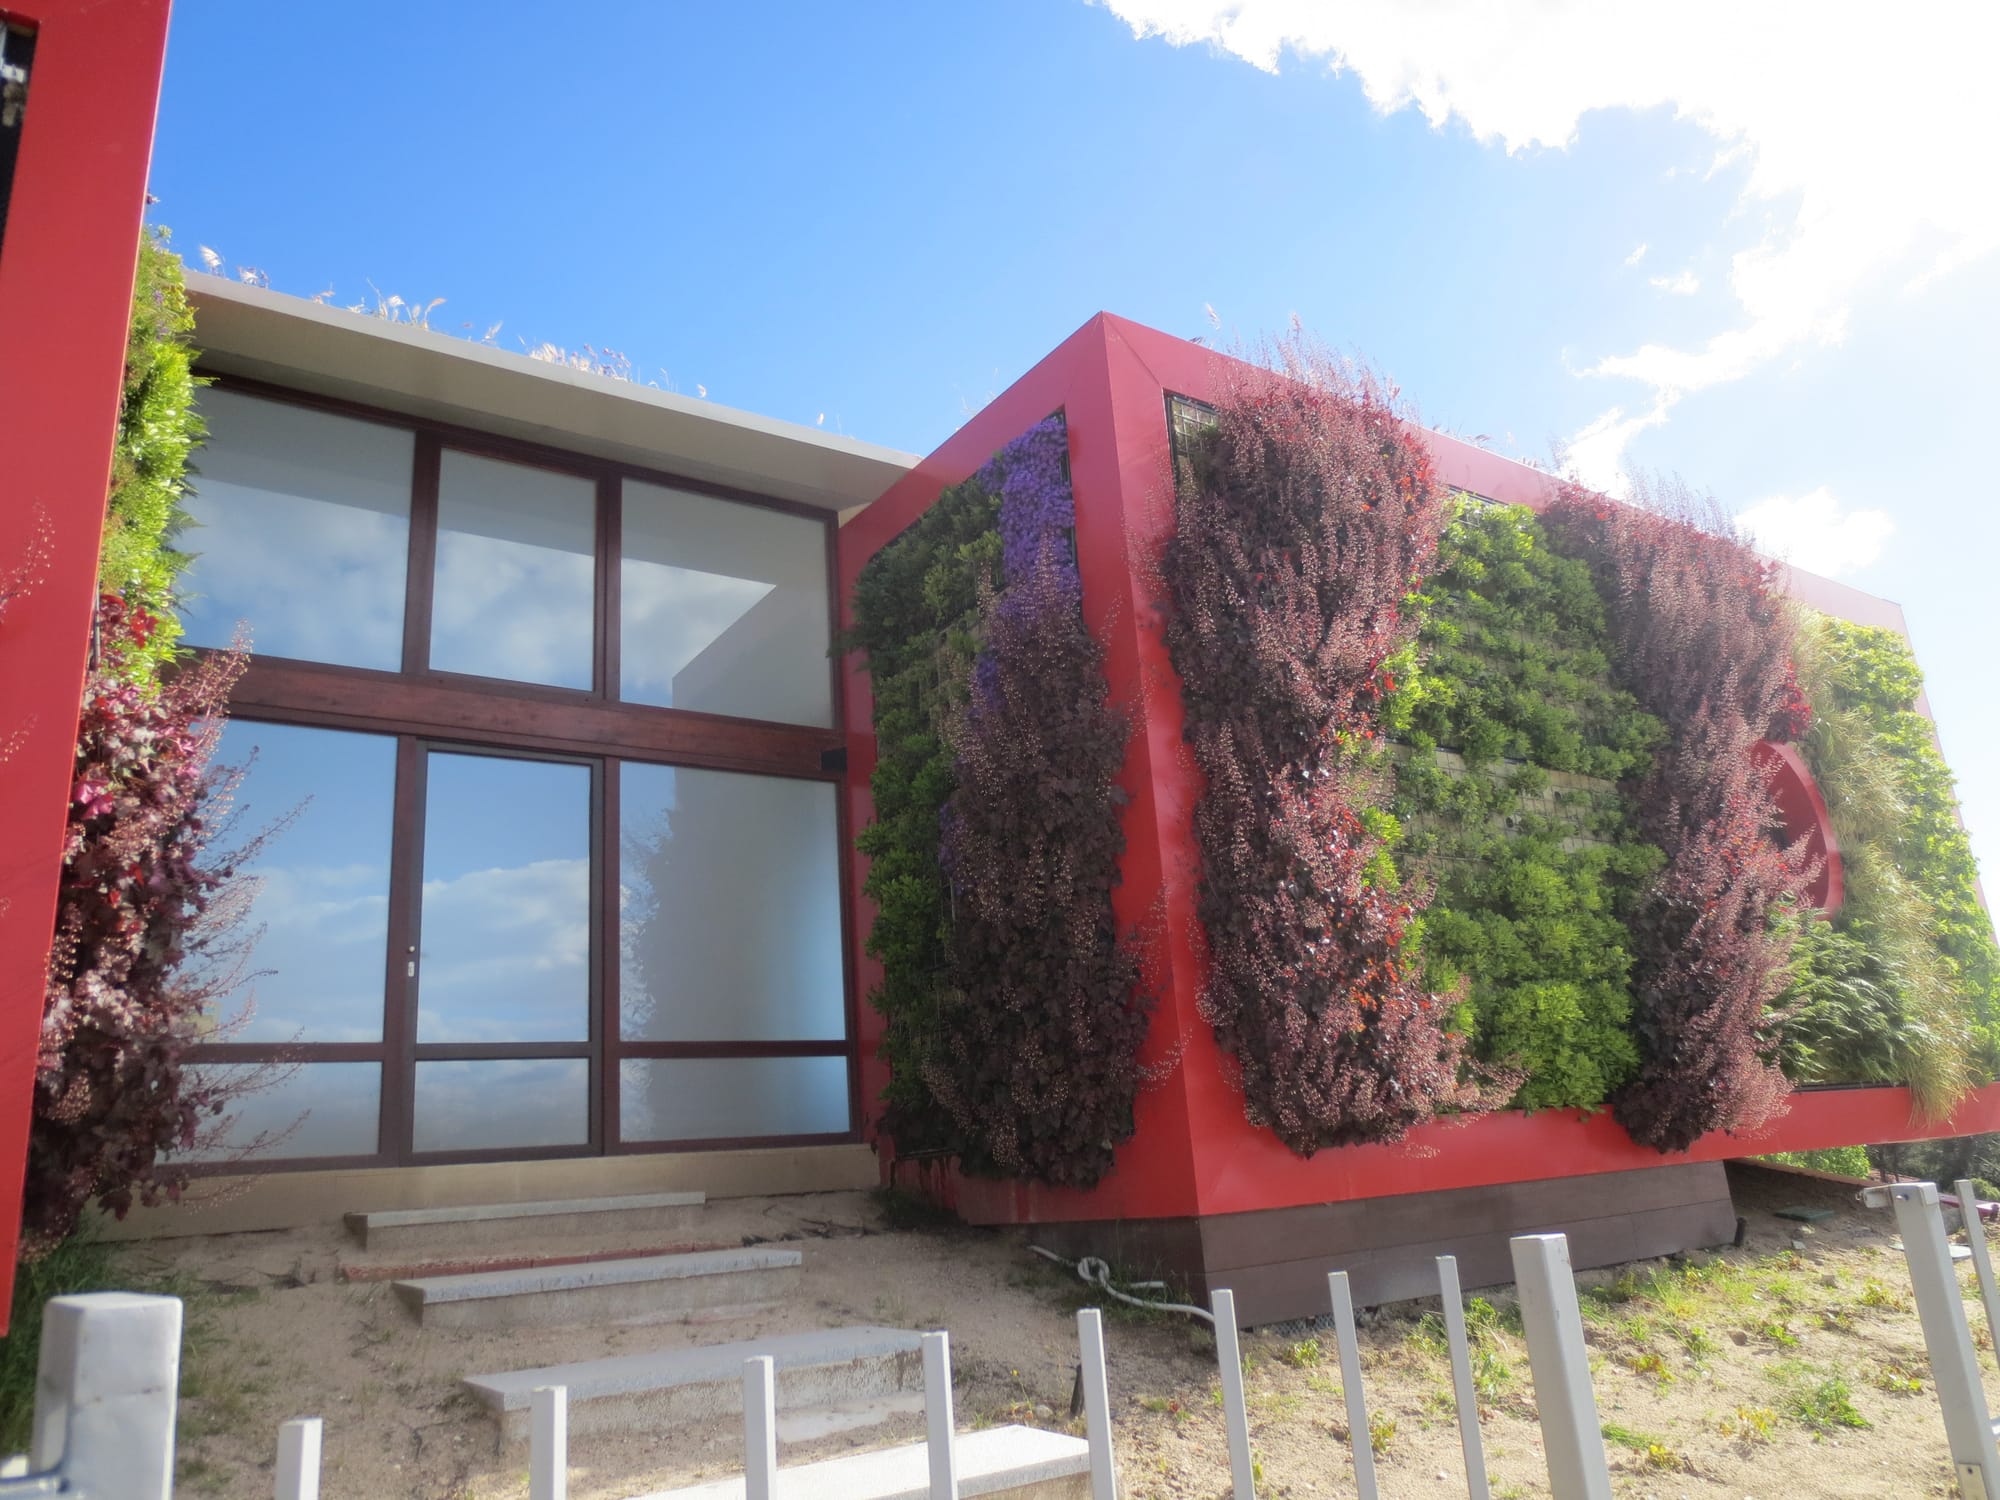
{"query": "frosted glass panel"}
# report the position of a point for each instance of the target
(302, 531)
(505, 954)
(317, 1109)
(478, 1106)
(321, 882)
(728, 907)
(516, 558)
(717, 1098)
(723, 608)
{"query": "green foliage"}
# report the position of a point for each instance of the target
(916, 610)
(1848, 1161)
(158, 428)
(1535, 868)
(1904, 985)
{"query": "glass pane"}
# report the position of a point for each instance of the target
(720, 1098)
(317, 1109)
(516, 560)
(506, 903)
(477, 1106)
(728, 907)
(302, 530)
(722, 608)
(321, 882)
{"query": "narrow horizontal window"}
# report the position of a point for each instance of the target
(726, 1098)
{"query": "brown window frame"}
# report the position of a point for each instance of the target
(423, 709)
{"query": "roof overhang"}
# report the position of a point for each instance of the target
(308, 346)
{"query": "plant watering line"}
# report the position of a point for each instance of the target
(1097, 1273)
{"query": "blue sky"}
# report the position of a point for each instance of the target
(876, 216)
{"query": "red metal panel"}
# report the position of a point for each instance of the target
(65, 297)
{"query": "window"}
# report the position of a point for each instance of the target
(516, 563)
(728, 908)
(501, 921)
(723, 608)
(320, 881)
(301, 532)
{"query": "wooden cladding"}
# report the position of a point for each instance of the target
(522, 716)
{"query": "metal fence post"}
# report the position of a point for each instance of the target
(548, 1443)
(938, 1418)
(1097, 1405)
(1572, 1440)
(1235, 1415)
(1469, 1439)
(1955, 1369)
(1975, 1237)
(298, 1459)
(1360, 1436)
(760, 1428)
(105, 1393)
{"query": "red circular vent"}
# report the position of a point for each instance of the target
(1804, 813)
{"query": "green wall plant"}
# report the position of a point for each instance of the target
(1534, 880)
(1903, 986)
(916, 612)
(158, 428)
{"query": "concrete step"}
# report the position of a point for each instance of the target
(1022, 1463)
(833, 1380)
(709, 1284)
(646, 1218)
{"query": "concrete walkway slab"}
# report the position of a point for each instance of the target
(649, 1289)
(833, 1379)
(471, 1226)
(1021, 1463)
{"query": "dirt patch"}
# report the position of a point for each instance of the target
(1765, 1371)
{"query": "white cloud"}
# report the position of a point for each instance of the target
(1861, 133)
(1814, 531)
(1637, 255)
(1596, 455)
(1680, 284)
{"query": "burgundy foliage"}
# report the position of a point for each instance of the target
(1044, 1018)
(1304, 519)
(123, 998)
(1701, 640)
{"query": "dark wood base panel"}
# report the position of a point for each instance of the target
(1276, 1260)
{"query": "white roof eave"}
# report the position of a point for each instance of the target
(327, 351)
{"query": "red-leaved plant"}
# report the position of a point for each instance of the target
(1701, 640)
(1043, 1018)
(1304, 518)
(142, 954)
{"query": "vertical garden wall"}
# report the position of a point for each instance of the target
(1013, 1010)
(1471, 810)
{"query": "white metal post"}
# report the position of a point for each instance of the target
(1235, 1415)
(1975, 1237)
(298, 1459)
(1096, 1405)
(760, 1428)
(1572, 1440)
(1469, 1440)
(1360, 1437)
(548, 1443)
(105, 1393)
(1955, 1369)
(938, 1419)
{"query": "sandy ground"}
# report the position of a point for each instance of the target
(1727, 1376)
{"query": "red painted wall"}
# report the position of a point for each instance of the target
(1193, 1151)
(65, 302)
